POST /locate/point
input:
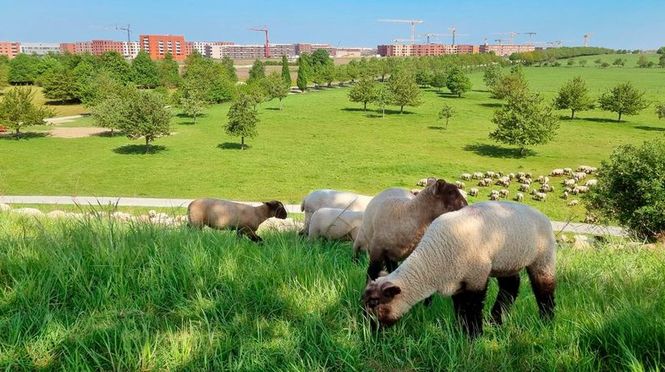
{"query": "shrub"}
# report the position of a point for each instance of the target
(631, 189)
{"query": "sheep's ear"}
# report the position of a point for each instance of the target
(440, 186)
(452, 196)
(390, 290)
(430, 180)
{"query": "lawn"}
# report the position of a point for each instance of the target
(321, 140)
(101, 296)
(58, 109)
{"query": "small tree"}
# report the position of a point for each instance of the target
(439, 79)
(23, 69)
(17, 110)
(458, 83)
(643, 62)
(382, 97)
(242, 119)
(623, 99)
(145, 116)
(364, 91)
(257, 72)
(524, 121)
(492, 75)
(510, 84)
(582, 62)
(109, 113)
(619, 62)
(276, 87)
(286, 73)
(660, 110)
(192, 106)
(573, 96)
(60, 84)
(144, 72)
(303, 72)
(661, 61)
(404, 90)
(168, 72)
(446, 112)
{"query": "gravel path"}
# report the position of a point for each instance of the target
(569, 227)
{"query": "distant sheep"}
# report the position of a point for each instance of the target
(573, 203)
(591, 183)
(557, 172)
(587, 169)
(519, 197)
(580, 190)
(503, 181)
(539, 196)
(466, 176)
(568, 171)
(525, 187)
(546, 188)
(579, 175)
(569, 182)
(425, 181)
(460, 184)
(473, 191)
(504, 193)
(478, 175)
(485, 182)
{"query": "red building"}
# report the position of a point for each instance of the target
(100, 47)
(158, 45)
(10, 48)
(68, 48)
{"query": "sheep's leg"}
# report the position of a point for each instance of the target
(543, 285)
(391, 265)
(509, 286)
(375, 267)
(469, 310)
(251, 234)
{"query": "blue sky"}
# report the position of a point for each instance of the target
(616, 24)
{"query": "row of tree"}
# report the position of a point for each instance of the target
(551, 54)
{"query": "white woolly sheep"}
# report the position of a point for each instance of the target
(569, 182)
(473, 191)
(546, 188)
(504, 193)
(591, 183)
(224, 214)
(490, 174)
(557, 172)
(580, 190)
(503, 181)
(460, 184)
(525, 187)
(485, 182)
(519, 197)
(565, 194)
(511, 176)
(335, 224)
(579, 175)
(425, 181)
(478, 175)
(466, 176)
(539, 196)
(331, 199)
(455, 258)
(573, 202)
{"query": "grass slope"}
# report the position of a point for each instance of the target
(321, 140)
(97, 296)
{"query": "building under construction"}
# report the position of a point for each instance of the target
(419, 50)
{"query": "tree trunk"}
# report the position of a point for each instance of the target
(18, 133)
(280, 104)
(383, 112)
(111, 131)
(364, 106)
(401, 109)
(620, 116)
(572, 114)
(447, 123)
(522, 151)
(242, 142)
(147, 144)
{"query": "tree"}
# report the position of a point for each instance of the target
(439, 79)
(303, 72)
(492, 75)
(257, 72)
(352, 70)
(276, 87)
(109, 113)
(619, 62)
(423, 77)
(286, 73)
(404, 90)
(661, 50)
(23, 69)
(582, 62)
(524, 121)
(510, 84)
(145, 116)
(446, 112)
(242, 119)
(4, 74)
(103, 86)
(115, 64)
(17, 109)
(192, 106)
(573, 96)
(643, 62)
(363, 91)
(661, 61)
(85, 73)
(168, 72)
(60, 84)
(144, 72)
(660, 110)
(382, 97)
(623, 99)
(458, 83)
(229, 68)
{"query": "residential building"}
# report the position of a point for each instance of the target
(10, 48)
(301, 48)
(130, 49)
(467, 49)
(83, 47)
(351, 52)
(507, 49)
(68, 48)
(99, 47)
(395, 50)
(158, 45)
(40, 48)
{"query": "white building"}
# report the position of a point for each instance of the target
(40, 48)
(130, 49)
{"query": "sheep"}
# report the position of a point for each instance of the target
(425, 181)
(579, 175)
(224, 214)
(569, 182)
(490, 174)
(546, 188)
(565, 194)
(485, 182)
(393, 223)
(504, 193)
(456, 258)
(557, 172)
(580, 190)
(521, 175)
(478, 175)
(331, 199)
(466, 176)
(543, 180)
(511, 176)
(525, 187)
(519, 197)
(568, 171)
(335, 224)
(591, 183)
(539, 196)
(573, 203)
(460, 184)
(473, 191)
(586, 169)
(503, 181)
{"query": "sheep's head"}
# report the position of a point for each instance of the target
(448, 195)
(378, 300)
(277, 209)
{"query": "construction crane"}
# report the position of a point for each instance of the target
(531, 35)
(500, 41)
(412, 22)
(454, 34)
(128, 29)
(511, 35)
(431, 35)
(264, 29)
(587, 37)
(400, 41)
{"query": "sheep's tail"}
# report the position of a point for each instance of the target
(302, 205)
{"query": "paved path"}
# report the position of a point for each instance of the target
(62, 119)
(570, 227)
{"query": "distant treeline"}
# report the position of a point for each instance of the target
(551, 54)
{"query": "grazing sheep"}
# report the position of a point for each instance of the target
(504, 193)
(485, 182)
(521, 175)
(546, 188)
(580, 190)
(573, 203)
(331, 199)
(460, 184)
(591, 183)
(490, 174)
(511, 176)
(503, 181)
(557, 172)
(394, 223)
(525, 187)
(579, 175)
(569, 182)
(586, 169)
(466, 176)
(478, 175)
(568, 171)
(335, 224)
(456, 258)
(543, 180)
(519, 197)
(539, 196)
(473, 191)
(494, 195)
(425, 181)
(224, 214)
(565, 194)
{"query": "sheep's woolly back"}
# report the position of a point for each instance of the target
(466, 246)
(335, 223)
(222, 214)
(327, 198)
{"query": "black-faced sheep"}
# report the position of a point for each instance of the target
(459, 253)
(335, 223)
(393, 224)
(224, 214)
(331, 199)
(473, 191)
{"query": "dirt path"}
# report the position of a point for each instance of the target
(79, 132)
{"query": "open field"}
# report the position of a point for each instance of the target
(321, 139)
(124, 297)
(58, 109)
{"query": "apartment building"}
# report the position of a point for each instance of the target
(40, 48)
(83, 47)
(395, 50)
(158, 45)
(99, 47)
(467, 49)
(130, 49)
(507, 49)
(10, 48)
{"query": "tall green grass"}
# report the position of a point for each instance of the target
(97, 295)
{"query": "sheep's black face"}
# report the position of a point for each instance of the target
(377, 301)
(449, 195)
(277, 208)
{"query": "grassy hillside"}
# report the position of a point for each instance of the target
(91, 295)
(321, 140)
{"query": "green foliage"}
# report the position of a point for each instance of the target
(144, 71)
(23, 69)
(364, 91)
(661, 50)
(631, 189)
(242, 119)
(257, 72)
(44, 65)
(321, 67)
(85, 73)
(207, 79)
(492, 75)
(660, 110)
(276, 87)
(286, 73)
(619, 62)
(458, 82)
(4, 75)
(661, 61)
(582, 62)
(168, 72)
(229, 68)
(446, 112)
(423, 77)
(303, 72)
(382, 97)
(404, 89)
(524, 121)
(145, 116)
(192, 106)
(114, 63)
(110, 112)
(352, 70)
(557, 53)
(439, 79)
(643, 62)
(510, 84)
(623, 99)
(59, 84)
(573, 96)
(17, 109)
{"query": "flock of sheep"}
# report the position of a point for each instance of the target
(420, 242)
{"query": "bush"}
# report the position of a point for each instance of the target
(631, 189)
